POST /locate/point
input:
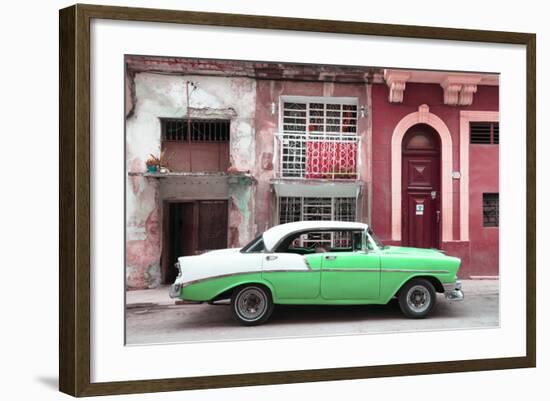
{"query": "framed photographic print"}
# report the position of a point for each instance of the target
(250, 200)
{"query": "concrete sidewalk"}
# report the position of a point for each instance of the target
(155, 296)
(159, 296)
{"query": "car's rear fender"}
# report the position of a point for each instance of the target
(217, 288)
(228, 292)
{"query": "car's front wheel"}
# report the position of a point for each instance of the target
(251, 305)
(417, 298)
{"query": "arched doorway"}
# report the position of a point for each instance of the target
(421, 187)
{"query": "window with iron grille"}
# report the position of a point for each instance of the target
(194, 130)
(484, 133)
(320, 117)
(490, 210)
(319, 138)
(323, 208)
(195, 145)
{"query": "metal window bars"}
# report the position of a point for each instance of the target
(199, 130)
(328, 156)
(322, 208)
(319, 140)
(490, 210)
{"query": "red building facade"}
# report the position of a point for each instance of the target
(412, 153)
(472, 166)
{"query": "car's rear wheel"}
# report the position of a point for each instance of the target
(251, 305)
(417, 298)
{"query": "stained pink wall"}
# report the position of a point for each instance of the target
(267, 124)
(385, 116)
(483, 240)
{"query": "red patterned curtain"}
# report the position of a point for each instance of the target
(331, 159)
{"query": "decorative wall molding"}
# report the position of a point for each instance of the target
(458, 90)
(467, 94)
(423, 116)
(451, 93)
(396, 81)
(423, 113)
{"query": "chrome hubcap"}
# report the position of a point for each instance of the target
(251, 304)
(418, 298)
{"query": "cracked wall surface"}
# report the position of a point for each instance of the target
(158, 95)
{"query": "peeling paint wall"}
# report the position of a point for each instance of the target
(156, 96)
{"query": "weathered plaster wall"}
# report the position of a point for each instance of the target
(156, 96)
(267, 125)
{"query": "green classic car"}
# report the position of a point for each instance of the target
(317, 263)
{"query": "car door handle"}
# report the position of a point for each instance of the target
(330, 257)
(271, 257)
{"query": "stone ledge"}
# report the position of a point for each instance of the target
(233, 178)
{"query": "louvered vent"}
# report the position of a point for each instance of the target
(484, 133)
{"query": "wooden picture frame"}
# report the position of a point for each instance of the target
(75, 208)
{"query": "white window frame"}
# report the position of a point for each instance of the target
(316, 99)
(301, 137)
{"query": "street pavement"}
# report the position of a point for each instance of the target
(152, 317)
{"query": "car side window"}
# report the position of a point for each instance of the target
(316, 241)
(257, 247)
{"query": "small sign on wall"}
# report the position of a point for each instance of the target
(419, 209)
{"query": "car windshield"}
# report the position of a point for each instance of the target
(256, 245)
(373, 236)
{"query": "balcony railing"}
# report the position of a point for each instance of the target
(321, 156)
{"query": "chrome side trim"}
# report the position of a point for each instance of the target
(200, 280)
(350, 269)
(414, 271)
(290, 271)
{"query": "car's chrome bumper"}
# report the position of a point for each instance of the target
(175, 290)
(453, 291)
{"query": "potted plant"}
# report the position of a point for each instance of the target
(152, 164)
(157, 164)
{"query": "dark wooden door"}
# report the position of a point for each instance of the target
(213, 225)
(421, 177)
(192, 228)
(181, 233)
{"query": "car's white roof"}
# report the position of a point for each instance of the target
(273, 235)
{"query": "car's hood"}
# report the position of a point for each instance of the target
(403, 250)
